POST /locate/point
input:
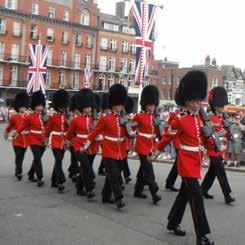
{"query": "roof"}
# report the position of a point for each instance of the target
(113, 19)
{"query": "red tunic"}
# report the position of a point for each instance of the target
(78, 132)
(146, 133)
(114, 144)
(56, 130)
(14, 122)
(189, 130)
(36, 127)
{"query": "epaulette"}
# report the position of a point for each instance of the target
(181, 114)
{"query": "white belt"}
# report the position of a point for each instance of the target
(192, 148)
(25, 132)
(82, 136)
(56, 133)
(148, 136)
(36, 132)
(114, 139)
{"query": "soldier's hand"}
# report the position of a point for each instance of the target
(6, 135)
(155, 155)
(15, 135)
(206, 131)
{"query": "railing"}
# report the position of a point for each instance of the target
(12, 58)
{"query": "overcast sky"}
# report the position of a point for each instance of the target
(188, 30)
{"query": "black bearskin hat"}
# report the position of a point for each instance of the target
(97, 102)
(60, 99)
(105, 101)
(129, 107)
(149, 96)
(217, 98)
(176, 97)
(193, 86)
(84, 99)
(37, 99)
(117, 95)
(73, 103)
(21, 100)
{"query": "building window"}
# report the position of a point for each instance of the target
(111, 27)
(63, 57)
(133, 48)
(14, 75)
(124, 65)
(15, 51)
(2, 47)
(215, 82)
(164, 80)
(111, 80)
(64, 37)
(113, 45)
(35, 8)
(75, 80)
(48, 78)
(169, 80)
(34, 31)
(2, 26)
(125, 47)
(131, 81)
(66, 15)
(16, 29)
(1, 75)
(87, 61)
(49, 57)
(123, 81)
(77, 60)
(112, 64)
(89, 41)
(103, 60)
(50, 34)
(128, 30)
(101, 82)
(85, 17)
(104, 43)
(11, 4)
(51, 12)
(62, 79)
(78, 39)
(132, 66)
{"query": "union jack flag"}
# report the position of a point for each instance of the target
(87, 76)
(144, 15)
(37, 70)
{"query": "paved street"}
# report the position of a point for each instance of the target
(32, 216)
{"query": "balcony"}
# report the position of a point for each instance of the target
(50, 39)
(113, 49)
(16, 59)
(125, 51)
(104, 48)
(78, 44)
(89, 45)
(65, 42)
(3, 32)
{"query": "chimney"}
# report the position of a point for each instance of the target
(214, 62)
(207, 60)
(121, 9)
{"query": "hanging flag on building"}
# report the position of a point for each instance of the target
(87, 76)
(37, 70)
(144, 19)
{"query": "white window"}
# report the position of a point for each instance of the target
(64, 37)
(2, 47)
(51, 12)
(85, 17)
(125, 47)
(15, 51)
(111, 27)
(124, 65)
(48, 78)
(16, 29)
(63, 57)
(113, 45)
(178, 80)
(14, 75)
(169, 80)
(215, 82)
(103, 60)
(78, 39)
(128, 30)
(132, 66)
(123, 81)
(77, 60)
(111, 80)
(49, 56)
(62, 79)
(1, 75)
(112, 64)
(131, 81)
(133, 48)
(2, 25)
(35, 8)
(75, 80)
(89, 41)
(34, 31)
(104, 43)
(50, 34)
(164, 80)
(88, 61)
(66, 15)
(11, 4)
(101, 82)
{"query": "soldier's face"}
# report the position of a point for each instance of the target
(22, 110)
(219, 110)
(193, 105)
(150, 108)
(39, 108)
(87, 110)
(117, 108)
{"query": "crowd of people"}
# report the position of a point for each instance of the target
(86, 123)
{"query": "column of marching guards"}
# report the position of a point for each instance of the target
(78, 126)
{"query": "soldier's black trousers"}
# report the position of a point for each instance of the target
(216, 169)
(91, 158)
(58, 176)
(37, 167)
(173, 174)
(112, 181)
(146, 176)
(19, 157)
(190, 191)
(73, 168)
(125, 168)
(86, 177)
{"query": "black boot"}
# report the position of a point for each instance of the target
(229, 199)
(40, 183)
(156, 198)
(81, 193)
(127, 180)
(176, 230)
(171, 188)
(90, 194)
(32, 179)
(19, 177)
(120, 204)
(207, 196)
(109, 201)
(204, 241)
(140, 195)
(54, 185)
(61, 188)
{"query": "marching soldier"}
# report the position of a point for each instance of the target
(188, 126)
(114, 145)
(20, 143)
(35, 123)
(217, 100)
(55, 132)
(145, 143)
